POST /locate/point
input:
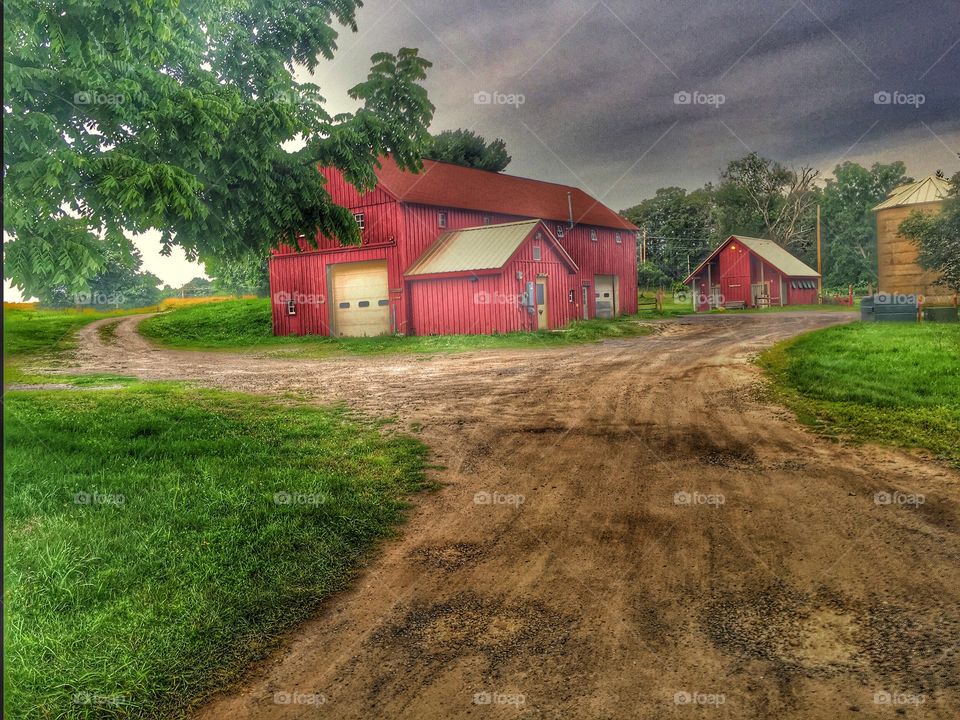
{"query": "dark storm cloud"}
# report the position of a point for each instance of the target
(798, 79)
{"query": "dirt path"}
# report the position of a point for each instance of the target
(605, 593)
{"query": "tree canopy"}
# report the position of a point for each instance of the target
(849, 225)
(465, 147)
(777, 200)
(679, 227)
(176, 118)
(246, 275)
(120, 282)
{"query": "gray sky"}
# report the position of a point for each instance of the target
(599, 84)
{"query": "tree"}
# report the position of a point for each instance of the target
(849, 227)
(679, 228)
(245, 275)
(119, 282)
(464, 147)
(175, 116)
(938, 237)
(778, 200)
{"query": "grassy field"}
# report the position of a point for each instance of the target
(32, 332)
(159, 537)
(29, 334)
(893, 383)
(246, 325)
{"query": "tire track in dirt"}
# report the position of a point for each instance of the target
(599, 596)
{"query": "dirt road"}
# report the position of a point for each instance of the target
(625, 530)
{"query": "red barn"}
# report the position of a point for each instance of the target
(751, 272)
(457, 250)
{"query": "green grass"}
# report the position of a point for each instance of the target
(34, 332)
(891, 383)
(180, 568)
(49, 334)
(246, 325)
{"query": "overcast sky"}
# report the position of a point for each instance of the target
(603, 85)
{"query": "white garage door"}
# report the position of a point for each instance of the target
(361, 299)
(604, 289)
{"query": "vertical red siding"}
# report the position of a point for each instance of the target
(491, 303)
(801, 296)
(603, 257)
(734, 277)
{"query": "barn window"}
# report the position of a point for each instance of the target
(363, 303)
(793, 284)
(344, 305)
(536, 252)
(486, 220)
(291, 307)
(559, 231)
(359, 218)
(618, 239)
(383, 303)
(593, 235)
(442, 219)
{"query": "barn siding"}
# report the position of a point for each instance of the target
(491, 303)
(304, 276)
(801, 296)
(897, 268)
(735, 273)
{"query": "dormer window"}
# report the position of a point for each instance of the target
(442, 219)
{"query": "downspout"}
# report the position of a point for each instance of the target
(570, 208)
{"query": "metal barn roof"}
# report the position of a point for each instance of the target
(448, 185)
(769, 251)
(930, 189)
(485, 247)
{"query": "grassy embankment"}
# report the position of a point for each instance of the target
(246, 325)
(895, 384)
(160, 537)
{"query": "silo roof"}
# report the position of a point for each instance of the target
(930, 189)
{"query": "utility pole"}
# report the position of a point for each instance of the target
(819, 262)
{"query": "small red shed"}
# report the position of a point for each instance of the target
(491, 279)
(751, 272)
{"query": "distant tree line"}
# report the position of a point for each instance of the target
(758, 197)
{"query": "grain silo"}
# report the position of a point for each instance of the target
(897, 268)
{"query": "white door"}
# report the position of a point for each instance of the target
(604, 295)
(361, 299)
